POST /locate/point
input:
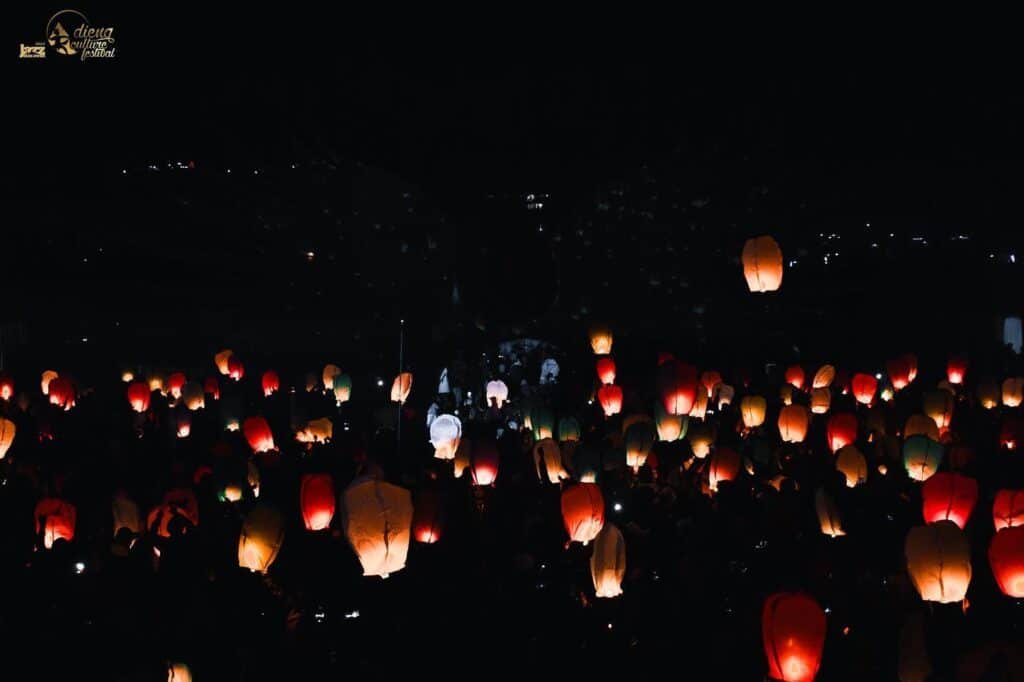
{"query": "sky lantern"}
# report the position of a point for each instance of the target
(709, 380)
(378, 524)
(174, 383)
(939, 561)
(6, 386)
(956, 369)
(793, 423)
(427, 517)
(762, 264)
(726, 393)
(753, 409)
(445, 432)
(988, 393)
(126, 514)
(55, 520)
(342, 389)
(795, 376)
(948, 497)
(178, 672)
(608, 562)
(44, 382)
(670, 427)
(329, 374)
(821, 400)
(236, 370)
(1013, 391)
(401, 387)
(221, 361)
(793, 634)
(639, 440)
(258, 434)
(939, 406)
(823, 377)
(547, 459)
(1008, 509)
(270, 382)
(138, 396)
(601, 340)
(568, 430)
(901, 370)
(724, 465)
(610, 397)
(542, 421)
(583, 511)
(1006, 557)
(829, 519)
(7, 431)
(922, 457)
(62, 393)
(462, 458)
(841, 430)
(606, 370)
(211, 387)
(193, 396)
(484, 461)
(157, 382)
(260, 539)
(850, 461)
(677, 386)
(316, 431)
(920, 425)
(701, 438)
(864, 388)
(1011, 433)
(184, 424)
(316, 497)
(700, 406)
(786, 394)
(497, 393)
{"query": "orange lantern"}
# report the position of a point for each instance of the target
(939, 406)
(260, 539)
(258, 434)
(793, 423)
(762, 264)
(7, 387)
(1008, 509)
(329, 374)
(920, 425)
(138, 396)
(601, 340)
(401, 387)
(841, 430)
(7, 431)
(823, 377)
(701, 438)
(606, 370)
(793, 633)
(610, 397)
(829, 520)
(821, 400)
(1013, 391)
(850, 461)
(753, 409)
(956, 369)
(725, 465)
(583, 511)
(949, 497)
(316, 497)
(864, 388)
(795, 376)
(939, 561)
(427, 517)
(484, 463)
(271, 382)
(193, 396)
(677, 385)
(174, 384)
(221, 360)
(316, 431)
(378, 524)
(44, 383)
(608, 562)
(55, 520)
(1006, 557)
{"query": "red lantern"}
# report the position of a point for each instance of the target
(484, 465)
(1008, 509)
(725, 465)
(956, 369)
(6, 387)
(795, 376)
(864, 388)
(55, 520)
(1011, 434)
(270, 382)
(316, 497)
(212, 387)
(709, 380)
(427, 517)
(841, 430)
(583, 511)
(606, 370)
(236, 370)
(175, 382)
(947, 496)
(138, 395)
(610, 397)
(62, 393)
(258, 434)
(793, 632)
(677, 384)
(1006, 557)
(901, 371)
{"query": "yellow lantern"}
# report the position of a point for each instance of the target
(762, 264)
(671, 427)
(156, 382)
(316, 431)
(401, 387)
(753, 409)
(48, 376)
(793, 423)
(601, 340)
(939, 561)
(824, 377)
(852, 464)
(261, 538)
(1013, 391)
(920, 425)
(821, 399)
(221, 359)
(828, 514)
(608, 562)
(7, 430)
(378, 524)
(127, 376)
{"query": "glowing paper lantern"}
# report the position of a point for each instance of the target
(949, 497)
(610, 397)
(793, 634)
(724, 465)
(864, 388)
(236, 370)
(316, 497)
(329, 374)
(184, 424)
(497, 393)
(850, 461)
(920, 425)
(753, 409)
(939, 406)
(192, 396)
(608, 562)
(1013, 391)
(709, 380)
(1006, 557)
(1008, 509)
(786, 394)
(677, 385)
(583, 511)
(62, 393)
(547, 458)
(258, 434)
(270, 382)
(7, 387)
(601, 340)
(211, 387)
(342, 388)
(401, 387)
(762, 264)
(542, 420)
(606, 370)
(725, 395)
(44, 383)
(939, 561)
(639, 440)
(156, 382)
(922, 457)
(55, 520)
(823, 377)
(988, 394)
(126, 514)
(7, 431)
(568, 430)
(700, 406)
(828, 514)
(795, 376)
(901, 371)
(821, 400)
(701, 438)
(221, 361)
(793, 423)
(445, 432)
(427, 518)
(670, 427)
(484, 463)
(316, 431)
(175, 383)
(260, 539)
(841, 430)
(956, 369)
(378, 524)
(178, 672)
(138, 396)
(1011, 433)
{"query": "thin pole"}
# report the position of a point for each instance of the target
(401, 363)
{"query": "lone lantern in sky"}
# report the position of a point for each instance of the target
(753, 409)
(639, 440)
(762, 264)
(7, 431)
(1006, 557)
(610, 397)
(401, 387)
(1008, 509)
(606, 370)
(497, 393)
(793, 634)
(601, 340)
(583, 511)
(378, 524)
(864, 388)
(956, 369)
(445, 433)
(221, 361)
(677, 386)
(258, 434)
(608, 562)
(55, 520)
(316, 497)
(949, 497)
(138, 396)
(793, 423)
(939, 561)
(271, 382)
(260, 539)
(922, 457)
(850, 461)
(841, 430)
(725, 465)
